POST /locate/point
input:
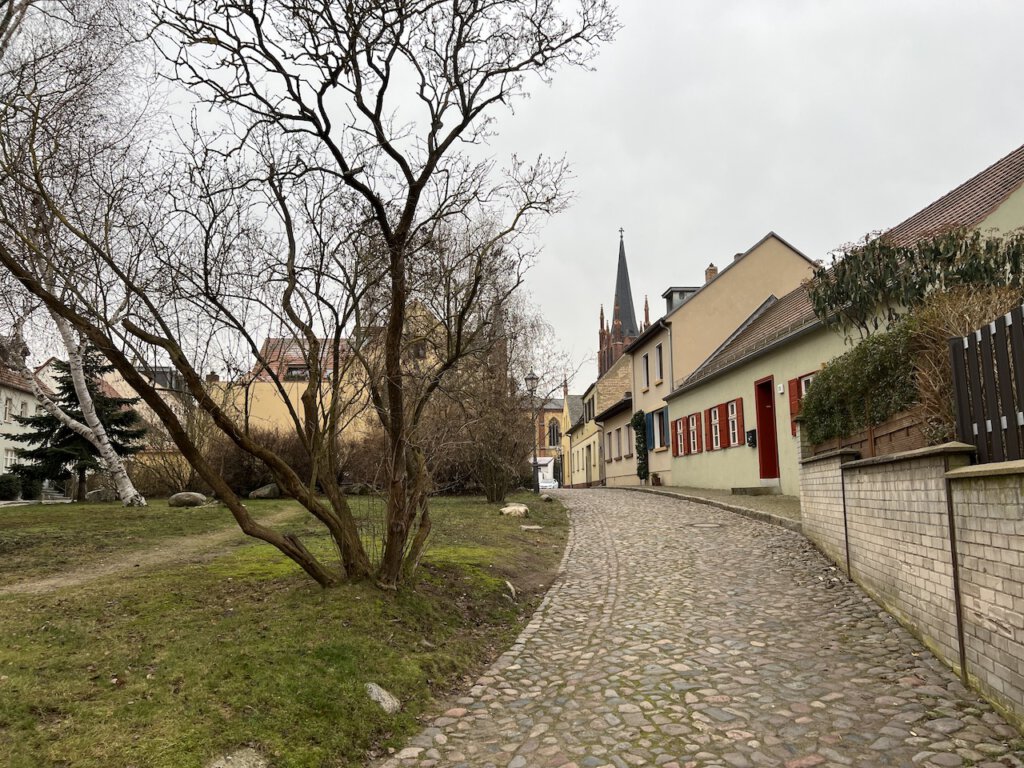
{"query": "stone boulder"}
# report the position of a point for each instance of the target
(269, 491)
(386, 701)
(546, 497)
(186, 499)
(101, 494)
(516, 510)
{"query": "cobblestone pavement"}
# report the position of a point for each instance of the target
(682, 635)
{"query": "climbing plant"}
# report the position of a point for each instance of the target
(869, 286)
(639, 424)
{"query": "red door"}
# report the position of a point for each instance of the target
(767, 445)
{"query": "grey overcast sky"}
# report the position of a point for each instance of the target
(708, 123)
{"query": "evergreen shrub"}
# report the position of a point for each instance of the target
(861, 388)
(10, 487)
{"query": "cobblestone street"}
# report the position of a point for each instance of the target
(682, 635)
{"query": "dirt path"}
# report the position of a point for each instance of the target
(167, 551)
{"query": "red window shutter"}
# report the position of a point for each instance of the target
(675, 437)
(700, 431)
(794, 403)
(684, 449)
(740, 432)
(709, 444)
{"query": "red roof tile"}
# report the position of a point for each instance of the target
(967, 205)
(14, 380)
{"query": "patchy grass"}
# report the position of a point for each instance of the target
(177, 666)
(44, 539)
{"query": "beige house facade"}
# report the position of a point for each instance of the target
(651, 355)
(702, 318)
(619, 443)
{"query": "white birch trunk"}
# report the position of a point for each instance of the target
(126, 490)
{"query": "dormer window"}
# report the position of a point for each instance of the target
(296, 373)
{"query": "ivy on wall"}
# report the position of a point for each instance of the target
(639, 425)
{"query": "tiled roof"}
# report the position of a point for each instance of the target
(280, 354)
(772, 321)
(967, 205)
(575, 408)
(14, 380)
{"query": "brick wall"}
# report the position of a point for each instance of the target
(989, 515)
(897, 518)
(821, 505)
(899, 545)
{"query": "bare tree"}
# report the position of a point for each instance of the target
(339, 210)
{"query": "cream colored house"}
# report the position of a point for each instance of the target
(16, 399)
(587, 444)
(733, 416)
(733, 419)
(651, 355)
(618, 443)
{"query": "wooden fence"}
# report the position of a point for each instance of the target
(901, 432)
(988, 387)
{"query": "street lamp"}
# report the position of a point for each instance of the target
(531, 386)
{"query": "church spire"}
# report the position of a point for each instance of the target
(624, 311)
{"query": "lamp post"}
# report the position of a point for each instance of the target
(531, 386)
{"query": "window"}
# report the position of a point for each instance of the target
(645, 373)
(24, 408)
(723, 425)
(618, 443)
(296, 373)
(630, 441)
(716, 433)
(694, 433)
(797, 389)
(659, 368)
(554, 433)
(679, 444)
(8, 409)
(10, 459)
(734, 427)
(608, 443)
(660, 428)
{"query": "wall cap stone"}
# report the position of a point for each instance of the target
(986, 470)
(837, 453)
(946, 449)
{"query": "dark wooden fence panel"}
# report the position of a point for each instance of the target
(988, 388)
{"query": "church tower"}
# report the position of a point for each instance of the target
(614, 338)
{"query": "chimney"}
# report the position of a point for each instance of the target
(710, 273)
(737, 257)
(212, 378)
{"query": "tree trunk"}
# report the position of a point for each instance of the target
(80, 491)
(126, 491)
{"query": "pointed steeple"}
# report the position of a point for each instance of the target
(624, 295)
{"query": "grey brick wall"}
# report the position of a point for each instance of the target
(989, 514)
(899, 546)
(821, 507)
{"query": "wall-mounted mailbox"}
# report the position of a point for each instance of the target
(752, 438)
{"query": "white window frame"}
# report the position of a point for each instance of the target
(692, 427)
(659, 364)
(630, 441)
(660, 428)
(10, 459)
(646, 374)
(716, 433)
(679, 435)
(23, 412)
(805, 384)
(8, 409)
(734, 423)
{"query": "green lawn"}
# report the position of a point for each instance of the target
(176, 666)
(44, 539)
